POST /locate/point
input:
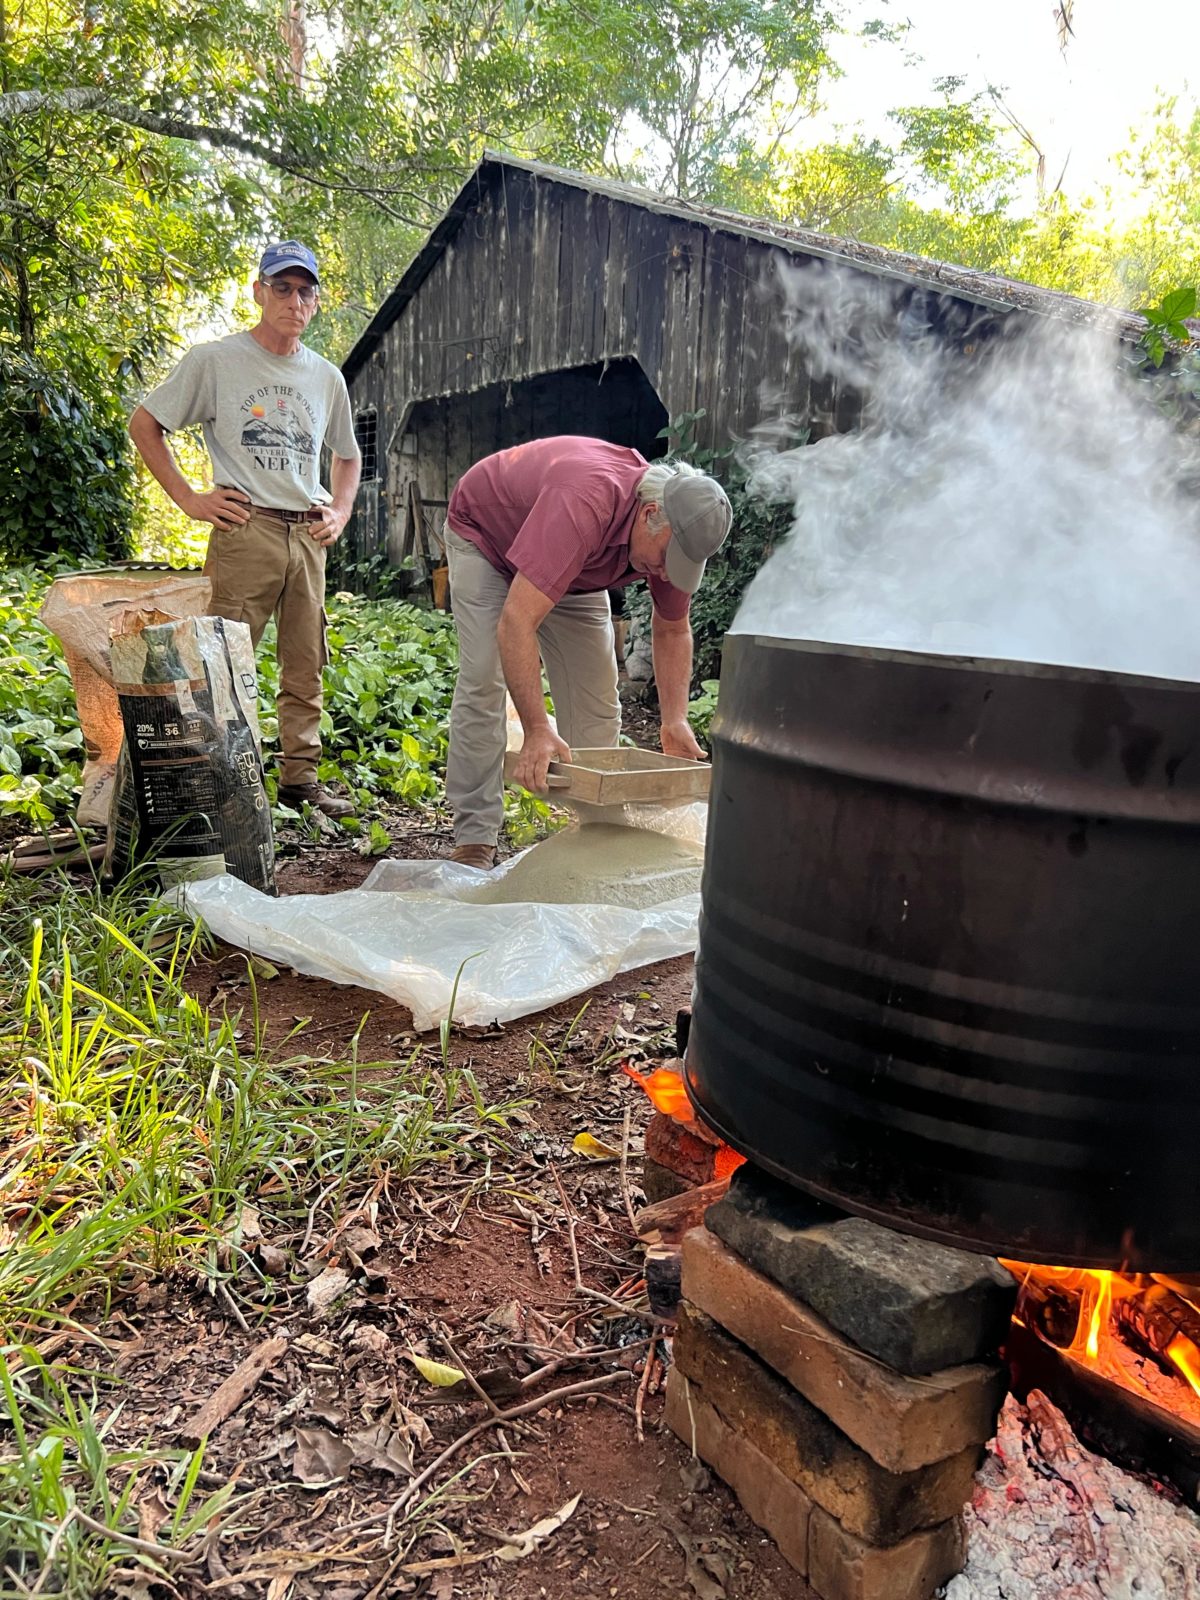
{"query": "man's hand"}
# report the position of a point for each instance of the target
(541, 747)
(677, 739)
(325, 525)
(224, 508)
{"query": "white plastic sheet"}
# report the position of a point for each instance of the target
(407, 932)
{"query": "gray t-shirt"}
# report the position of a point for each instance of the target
(265, 417)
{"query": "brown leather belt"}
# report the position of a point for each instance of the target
(274, 511)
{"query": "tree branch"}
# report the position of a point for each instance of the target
(22, 103)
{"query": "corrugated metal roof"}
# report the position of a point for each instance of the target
(966, 283)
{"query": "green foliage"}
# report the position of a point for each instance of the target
(528, 818)
(65, 475)
(107, 228)
(62, 1462)
(684, 85)
(758, 525)
(702, 708)
(41, 747)
(136, 1125)
(387, 698)
(1167, 324)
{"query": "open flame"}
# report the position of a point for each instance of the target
(1128, 1328)
(668, 1094)
(665, 1089)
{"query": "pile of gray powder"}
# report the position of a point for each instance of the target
(602, 864)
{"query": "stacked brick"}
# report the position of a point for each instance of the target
(843, 1380)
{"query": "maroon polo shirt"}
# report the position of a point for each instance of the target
(559, 511)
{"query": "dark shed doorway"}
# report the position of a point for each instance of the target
(443, 436)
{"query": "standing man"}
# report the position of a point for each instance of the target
(534, 537)
(267, 404)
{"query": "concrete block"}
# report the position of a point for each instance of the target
(842, 1567)
(917, 1305)
(901, 1422)
(879, 1506)
(770, 1500)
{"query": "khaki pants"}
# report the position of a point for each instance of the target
(576, 642)
(268, 568)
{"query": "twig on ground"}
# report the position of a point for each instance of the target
(160, 1552)
(643, 1389)
(625, 1169)
(580, 1286)
(225, 1400)
(52, 1549)
(646, 1554)
(233, 1306)
(513, 1414)
(510, 1457)
(472, 1380)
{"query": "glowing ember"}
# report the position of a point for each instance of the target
(726, 1162)
(667, 1094)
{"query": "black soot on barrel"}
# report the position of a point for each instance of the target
(949, 964)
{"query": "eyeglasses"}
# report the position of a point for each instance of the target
(306, 293)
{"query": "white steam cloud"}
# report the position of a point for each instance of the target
(1026, 502)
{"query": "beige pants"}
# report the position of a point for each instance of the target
(273, 568)
(576, 642)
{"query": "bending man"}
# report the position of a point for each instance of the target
(535, 537)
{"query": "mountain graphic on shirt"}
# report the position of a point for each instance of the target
(278, 431)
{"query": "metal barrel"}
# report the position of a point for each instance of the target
(949, 963)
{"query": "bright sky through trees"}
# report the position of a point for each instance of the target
(1079, 105)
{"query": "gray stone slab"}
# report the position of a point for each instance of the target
(916, 1305)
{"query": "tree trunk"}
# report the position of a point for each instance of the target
(26, 322)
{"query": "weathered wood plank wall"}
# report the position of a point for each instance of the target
(543, 277)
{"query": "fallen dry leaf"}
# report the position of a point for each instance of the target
(697, 1568)
(586, 1144)
(500, 1383)
(273, 1261)
(311, 1345)
(412, 1424)
(363, 1241)
(327, 1287)
(153, 1511)
(130, 1583)
(321, 1458)
(437, 1372)
(386, 1449)
(509, 1318)
(519, 1545)
(372, 1340)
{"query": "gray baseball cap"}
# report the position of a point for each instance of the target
(700, 516)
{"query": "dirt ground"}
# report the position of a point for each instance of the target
(457, 1266)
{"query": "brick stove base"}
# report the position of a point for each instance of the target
(842, 1380)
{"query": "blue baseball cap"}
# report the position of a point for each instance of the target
(289, 253)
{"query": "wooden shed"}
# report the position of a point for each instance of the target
(548, 302)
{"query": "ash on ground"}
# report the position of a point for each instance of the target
(1051, 1521)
